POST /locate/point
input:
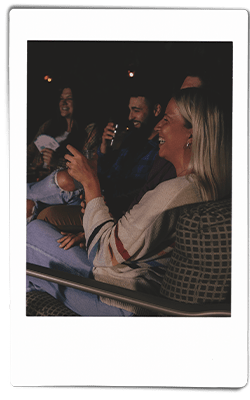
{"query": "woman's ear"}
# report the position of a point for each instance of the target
(190, 139)
(157, 109)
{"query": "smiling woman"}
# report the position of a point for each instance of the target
(65, 129)
(66, 105)
(175, 138)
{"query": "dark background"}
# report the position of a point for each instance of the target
(100, 71)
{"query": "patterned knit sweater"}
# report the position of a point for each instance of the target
(134, 252)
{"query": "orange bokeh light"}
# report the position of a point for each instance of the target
(46, 77)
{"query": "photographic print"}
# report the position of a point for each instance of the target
(127, 188)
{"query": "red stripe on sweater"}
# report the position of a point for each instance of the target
(120, 246)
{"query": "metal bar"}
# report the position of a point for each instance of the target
(157, 304)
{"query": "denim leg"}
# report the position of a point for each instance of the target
(47, 192)
(43, 249)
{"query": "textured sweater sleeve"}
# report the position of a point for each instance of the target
(139, 231)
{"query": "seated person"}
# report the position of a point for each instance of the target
(162, 169)
(121, 172)
(195, 136)
(63, 127)
(70, 219)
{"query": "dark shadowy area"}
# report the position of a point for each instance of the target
(99, 71)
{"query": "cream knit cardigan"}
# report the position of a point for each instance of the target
(134, 252)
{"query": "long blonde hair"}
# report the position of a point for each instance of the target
(211, 157)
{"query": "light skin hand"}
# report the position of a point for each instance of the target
(47, 156)
(108, 134)
(71, 239)
(83, 204)
(85, 172)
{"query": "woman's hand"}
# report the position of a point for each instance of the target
(71, 239)
(79, 167)
(48, 156)
(83, 204)
(85, 172)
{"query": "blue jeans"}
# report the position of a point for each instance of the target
(47, 192)
(43, 249)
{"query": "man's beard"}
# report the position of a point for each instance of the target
(143, 132)
(138, 139)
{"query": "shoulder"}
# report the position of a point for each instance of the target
(172, 193)
(173, 186)
(89, 128)
(42, 129)
(46, 123)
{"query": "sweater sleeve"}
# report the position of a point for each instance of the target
(141, 230)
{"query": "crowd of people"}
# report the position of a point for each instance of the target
(115, 213)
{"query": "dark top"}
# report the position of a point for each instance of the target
(122, 173)
(162, 170)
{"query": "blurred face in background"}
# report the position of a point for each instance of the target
(138, 111)
(66, 103)
(191, 81)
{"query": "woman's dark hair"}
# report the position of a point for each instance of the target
(58, 123)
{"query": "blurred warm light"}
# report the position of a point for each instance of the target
(131, 74)
(47, 78)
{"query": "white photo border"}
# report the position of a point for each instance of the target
(150, 352)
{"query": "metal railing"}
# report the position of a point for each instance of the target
(159, 305)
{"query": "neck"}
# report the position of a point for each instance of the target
(182, 172)
(183, 169)
(69, 124)
(182, 165)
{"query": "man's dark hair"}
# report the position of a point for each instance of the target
(144, 89)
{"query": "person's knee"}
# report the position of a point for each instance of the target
(65, 218)
(47, 215)
(65, 181)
